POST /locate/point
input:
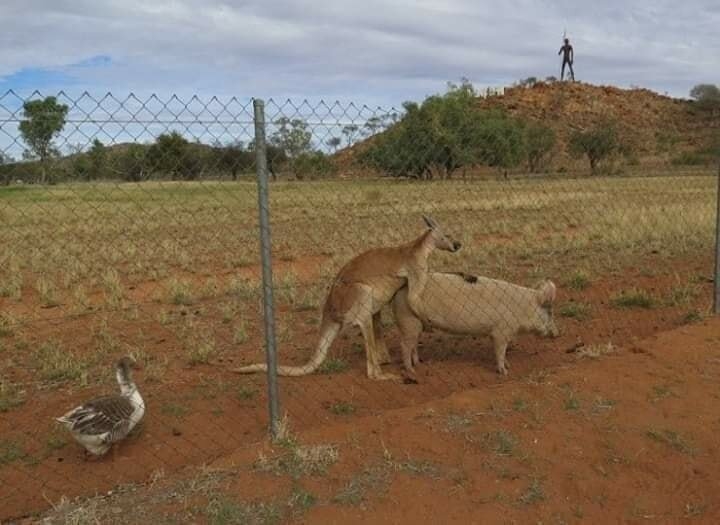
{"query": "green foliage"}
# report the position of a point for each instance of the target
(170, 156)
(292, 137)
(130, 163)
(334, 142)
(690, 158)
(42, 121)
(539, 145)
(446, 132)
(706, 96)
(596, 143)
(313, 165)
(98, 159)
(527, 82)
(234, 158)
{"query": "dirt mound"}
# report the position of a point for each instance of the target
(650, 122)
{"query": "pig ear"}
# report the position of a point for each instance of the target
(546, 292)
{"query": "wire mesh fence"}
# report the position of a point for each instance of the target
(131, 226)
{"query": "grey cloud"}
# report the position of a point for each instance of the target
(379, 51)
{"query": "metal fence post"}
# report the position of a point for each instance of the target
(716, 302)
(266, 255)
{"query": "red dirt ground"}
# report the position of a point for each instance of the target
(198, 414)
(628, 437)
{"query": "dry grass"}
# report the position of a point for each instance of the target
(11, 395)
(298, 460)
(596, 351)
(184, 227)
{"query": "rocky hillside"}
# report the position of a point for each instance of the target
(655, 125)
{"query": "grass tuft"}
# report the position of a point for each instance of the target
(579, 311)
(333, 366)
(578, 280)
(224, 511)
(671, 439)
(533, 493)
(299, 460)
(342, 408)
(633, 298)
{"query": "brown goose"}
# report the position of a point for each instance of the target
(100, 422)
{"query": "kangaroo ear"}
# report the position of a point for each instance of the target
(546, 293)
(430, 222)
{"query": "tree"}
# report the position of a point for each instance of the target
(707, 96)
(350, 131)
(97, 155)
(43, 121)
(234, 158)
(334, 142)
(445, 133)
(292, 136)
(173, 155)
(131, 163)
(539, 144)
(597, 143)
(373, 125)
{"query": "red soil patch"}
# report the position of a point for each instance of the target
(631, 436)
(199, 413)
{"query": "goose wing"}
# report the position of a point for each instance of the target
(100, 416)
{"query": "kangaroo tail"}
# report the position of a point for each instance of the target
(328, 332)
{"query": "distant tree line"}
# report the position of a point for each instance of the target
(438, 138)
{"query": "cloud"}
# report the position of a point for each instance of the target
(375, 52)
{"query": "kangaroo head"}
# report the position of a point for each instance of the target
(546, 292)
(440, 239)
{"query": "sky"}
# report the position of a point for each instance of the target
(374, 52)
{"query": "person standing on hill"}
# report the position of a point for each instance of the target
(568, 58)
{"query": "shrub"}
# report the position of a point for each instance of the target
(445, 133)
(313, 165)
(706, 96)
(539, 144)
(596, 143)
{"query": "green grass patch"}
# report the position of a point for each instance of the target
(633, 298)
(334, 366)
(174, 410)
(534, 493)
(573, 310)
(578, 280)
(501, 442)
(225, 511)
(10, 451)
(672, 439)
(245, 393)
(342, 408)
(57, 364)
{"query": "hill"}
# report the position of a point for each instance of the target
(656, 126)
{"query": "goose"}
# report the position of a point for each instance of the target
(99, 423)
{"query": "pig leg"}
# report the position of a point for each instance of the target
(500, 350)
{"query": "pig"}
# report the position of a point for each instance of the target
(460, 303)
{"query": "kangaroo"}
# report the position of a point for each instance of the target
(360, 290)
(465, 304)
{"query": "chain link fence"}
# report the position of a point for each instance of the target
(136, 226)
